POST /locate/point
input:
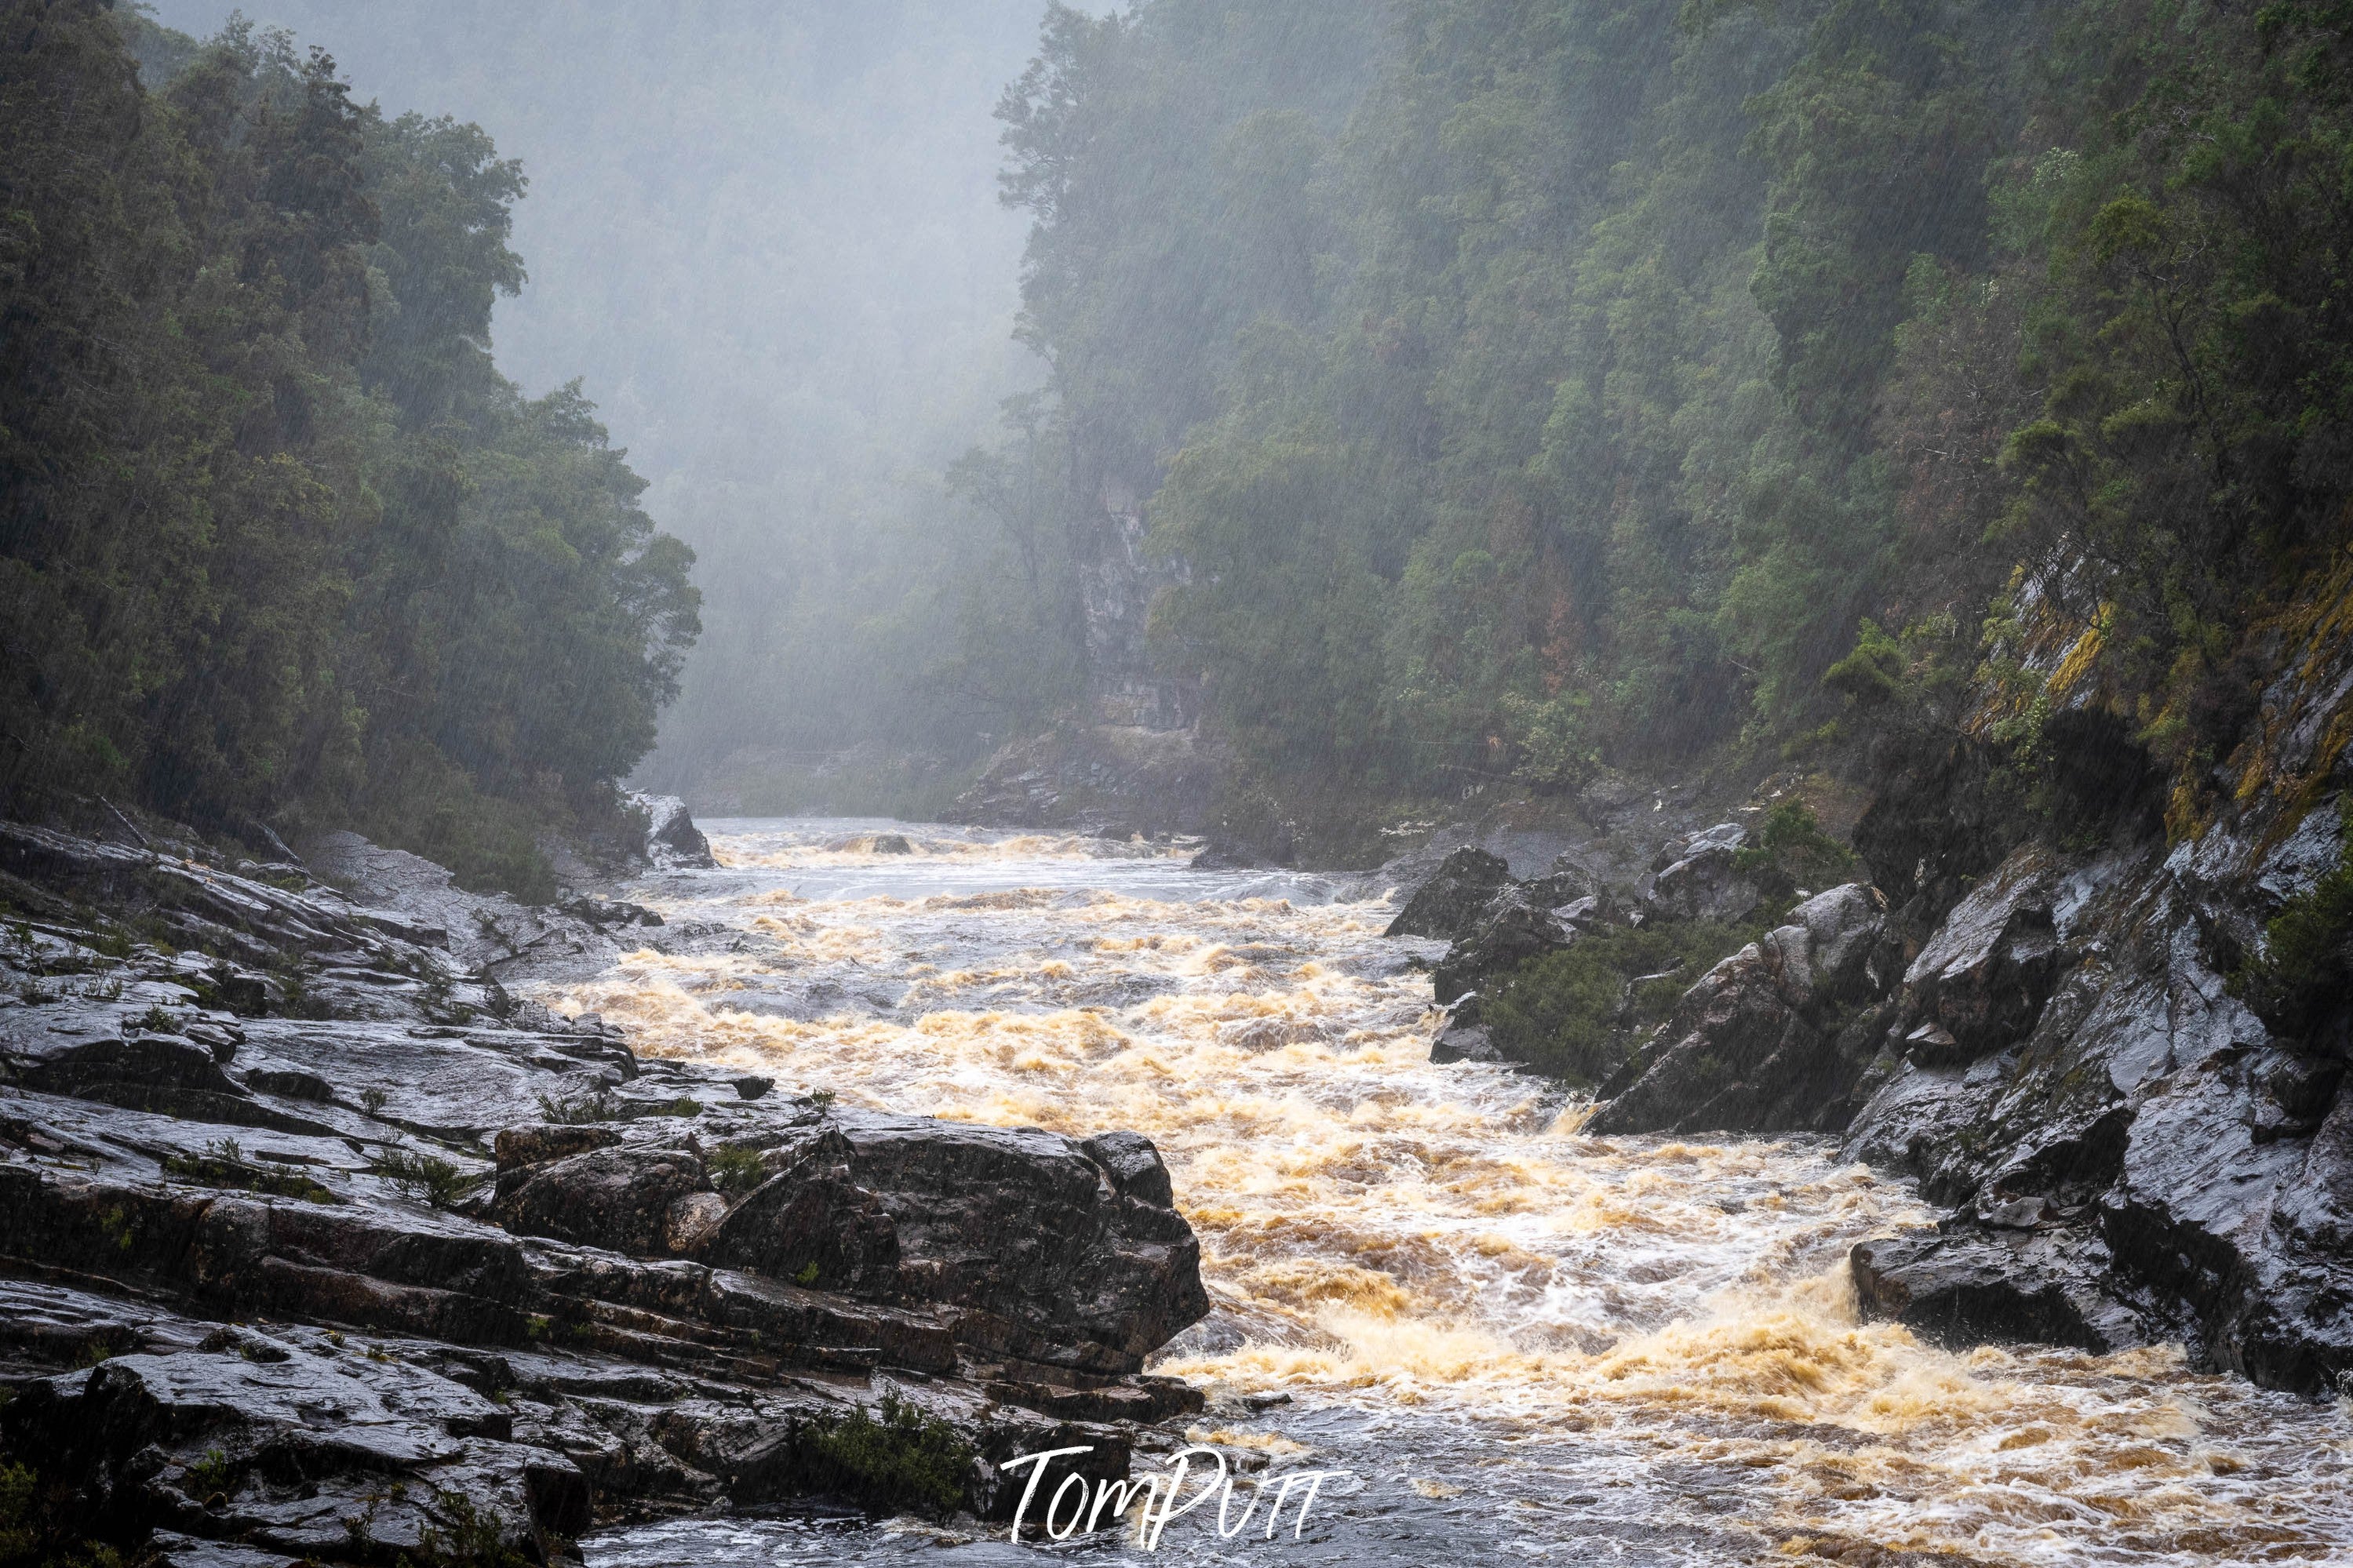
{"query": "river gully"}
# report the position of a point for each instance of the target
(1517, 1340)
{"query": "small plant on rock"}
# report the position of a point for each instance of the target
(579, 1109)
(736, 1171)
(428, 1177)
(208, 1475)
(899, 1457)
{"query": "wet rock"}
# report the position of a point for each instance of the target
(1134, 1165)
(2073, 1073)
(1970, 1285)
(1009, 1227)
(1449, 905)
(1464, 1043)
(673, 840)
(812, 1223)
(1702, 882)
(1768, 1040)
(293, 1445)
(1508, 932)
(616, 1198)
(1158, 780)
(1985, 974)
(336, 1176)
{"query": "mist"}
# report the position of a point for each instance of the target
(767, 238)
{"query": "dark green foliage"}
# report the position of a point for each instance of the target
(425, 1177)
(1543, 384)
(223, 1165)
(276, 538)
(1790, 852)
(474, 1537)
(736, 1171)
(1579, 1013)
(579, 1109)
(899, 1458)
(2306, 972)
(31, 1534)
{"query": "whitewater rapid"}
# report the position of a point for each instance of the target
(1518, 1339)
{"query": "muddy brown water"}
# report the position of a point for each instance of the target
(1521, 1344)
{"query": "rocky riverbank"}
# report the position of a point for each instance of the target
(318, 1243)
(2113, 1049)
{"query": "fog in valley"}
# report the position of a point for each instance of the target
(768, 239)
(1584, 767)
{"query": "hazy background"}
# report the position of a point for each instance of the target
(765, 234)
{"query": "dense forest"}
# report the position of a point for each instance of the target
(1488, 390)
(280, 547)
(1522, 385)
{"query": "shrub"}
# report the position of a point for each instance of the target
(1578, 1013)
(900, 1457)
(427, 1176)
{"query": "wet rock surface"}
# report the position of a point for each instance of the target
(2053, 1031)
(373, 1259)
(1770, 1038)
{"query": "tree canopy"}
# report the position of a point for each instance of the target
(278, 542)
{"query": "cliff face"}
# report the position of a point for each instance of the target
(2086, 1029)
(371, 1256)
(2141, 1135)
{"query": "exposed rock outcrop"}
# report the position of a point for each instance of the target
(385, 1258)
(2066, 1033)
(1771, 1039)
(673, 840)
(1448, 906)
(1152, 780)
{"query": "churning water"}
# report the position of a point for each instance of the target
(1523, 1343)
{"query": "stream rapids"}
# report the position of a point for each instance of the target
(1521, 1342)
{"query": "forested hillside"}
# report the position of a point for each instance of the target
(1520, 386)
(278, 544)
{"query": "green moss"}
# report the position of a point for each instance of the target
(2306, 966)
(1579, 1013)
(897, 1457)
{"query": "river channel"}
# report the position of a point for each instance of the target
(1521, 1344)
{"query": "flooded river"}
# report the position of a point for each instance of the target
(1524, 1345)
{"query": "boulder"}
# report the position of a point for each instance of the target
(1967, 1285)
(1464, 1043)
(673, 840)
(1508, 932)
(1984, 976)
(617, 1198)
(1768, 1040)
(1012, 1232)
(1701, 881)
(1452, 903)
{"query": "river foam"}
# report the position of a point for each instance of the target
(1518, 1337)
